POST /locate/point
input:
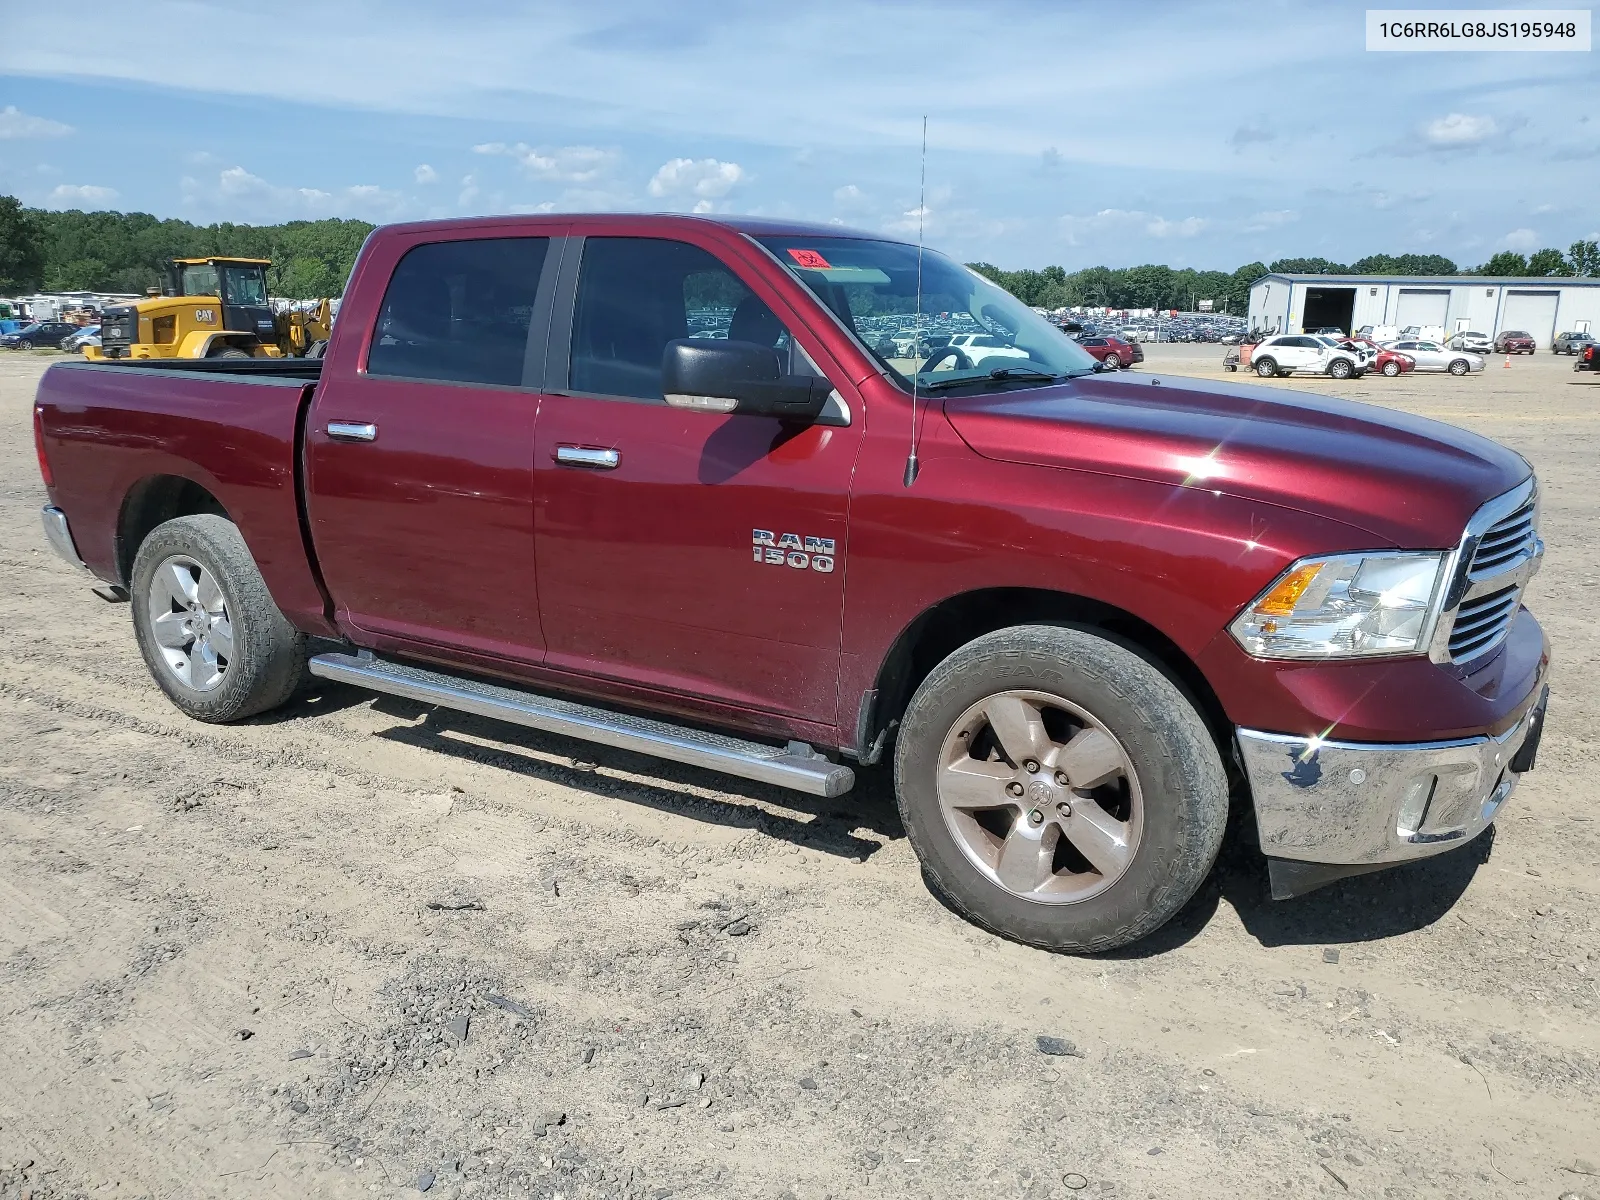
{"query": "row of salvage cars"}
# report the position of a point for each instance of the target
(1347, 357)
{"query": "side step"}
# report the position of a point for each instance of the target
(796, 766)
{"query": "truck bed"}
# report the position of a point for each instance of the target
(123, 440)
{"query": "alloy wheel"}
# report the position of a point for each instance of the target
(1040, 796)
(191, 623)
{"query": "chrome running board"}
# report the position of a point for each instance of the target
(795, 766)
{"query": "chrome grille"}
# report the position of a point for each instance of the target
(1507, 541)
(1481, 623)
(1499, 553)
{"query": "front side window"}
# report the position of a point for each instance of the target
(872, 287)
(459, 312)
(637, 294)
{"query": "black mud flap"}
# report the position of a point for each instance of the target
(1522, 761)
(1290, 878)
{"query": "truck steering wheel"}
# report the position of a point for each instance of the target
(963, 360)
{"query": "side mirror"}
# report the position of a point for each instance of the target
(715, 376)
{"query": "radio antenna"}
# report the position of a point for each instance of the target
(912, 466)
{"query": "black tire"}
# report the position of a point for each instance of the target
(269, 654)
(1267, 368)
(1391, 369)
(1459, 366)
(1340, 368)
(1112, 362)
(1179, 771)
(230, 352)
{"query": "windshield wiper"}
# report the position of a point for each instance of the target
(999, 373)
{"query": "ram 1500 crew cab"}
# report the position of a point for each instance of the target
(1072, 609)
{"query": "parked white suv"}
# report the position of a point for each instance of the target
(1478, 343)
(1292, 353)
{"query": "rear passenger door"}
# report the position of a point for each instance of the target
(419, 447)
(686, 552)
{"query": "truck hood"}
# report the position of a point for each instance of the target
(1407, 480)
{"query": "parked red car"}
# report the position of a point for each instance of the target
(1082, 609)
(1113, 351)
(1392, 363)
(1514, 341)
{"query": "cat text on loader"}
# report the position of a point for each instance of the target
(212, 308)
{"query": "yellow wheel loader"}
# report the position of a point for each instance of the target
(211, 308)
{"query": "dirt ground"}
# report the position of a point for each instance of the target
(358, 948)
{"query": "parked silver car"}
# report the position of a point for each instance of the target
(1431, 356)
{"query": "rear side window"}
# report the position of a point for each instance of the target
(637, 294)
(459, 312)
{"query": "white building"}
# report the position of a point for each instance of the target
(1542, 307)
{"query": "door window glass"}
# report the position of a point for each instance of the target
(637, 294)
(459, 311)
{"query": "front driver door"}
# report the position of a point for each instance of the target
(684, 552)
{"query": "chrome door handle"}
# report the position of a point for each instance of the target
(583, 456)
(352, 431)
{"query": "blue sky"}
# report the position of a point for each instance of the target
(1195, 134)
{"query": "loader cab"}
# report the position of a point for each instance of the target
(240, 284)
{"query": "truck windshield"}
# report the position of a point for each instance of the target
(970, 335)
(243, 285)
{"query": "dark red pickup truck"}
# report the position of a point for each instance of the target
(661, 483)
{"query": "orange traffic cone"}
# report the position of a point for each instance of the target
(1508, 360)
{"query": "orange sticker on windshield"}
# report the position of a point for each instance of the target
(809, 259)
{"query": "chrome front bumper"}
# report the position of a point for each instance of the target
(1370, 804)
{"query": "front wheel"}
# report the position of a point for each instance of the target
(1459, 366)
(1059, 789)
(206, 624)
(1391, 369)
(1339, 369)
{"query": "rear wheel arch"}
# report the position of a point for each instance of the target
(153, 501)
(956, 621)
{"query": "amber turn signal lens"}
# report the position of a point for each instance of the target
(1280, 601)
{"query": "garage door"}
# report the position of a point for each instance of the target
(1533, 313)
(1422, 306)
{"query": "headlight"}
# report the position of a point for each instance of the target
(1345, 606)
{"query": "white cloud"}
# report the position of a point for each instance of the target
(1271, 219)
(14, 123)
(1118, 220)
(1459, 129)
(426, 174)
(237, 194)
(469, 191)
(703, 178)
(569, 164)
(848, 194)
(76, 195)
(1522, 240)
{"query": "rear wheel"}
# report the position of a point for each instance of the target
(1266, 367)
(1112, 362)
(206, 625)
(1059, 789)
(229, 352)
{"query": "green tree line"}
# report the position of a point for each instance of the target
(123, 252)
